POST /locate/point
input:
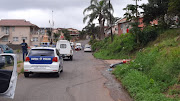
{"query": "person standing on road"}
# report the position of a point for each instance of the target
(24, 48)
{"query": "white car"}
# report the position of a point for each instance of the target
(78, 46)
(43, 60)
(87, 48)
(8, 76)
(65, 49)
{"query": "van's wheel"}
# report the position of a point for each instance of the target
(26, 74)
(71, 58)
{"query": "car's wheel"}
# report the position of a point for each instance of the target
(26, 74)
(71, 58)
(56, 74)
(61, 70)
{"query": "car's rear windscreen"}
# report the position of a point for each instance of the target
(62, 45)
(41, 52)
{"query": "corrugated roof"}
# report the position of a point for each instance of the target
(15, 22)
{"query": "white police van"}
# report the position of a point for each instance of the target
(43, 60)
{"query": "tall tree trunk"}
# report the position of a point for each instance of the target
(101, 29)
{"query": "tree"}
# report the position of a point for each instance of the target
(49, 32)
(56, 36)
(66, 34)
(174, 7)
(132, 14)
(92, 30)
(155, 9)
(98, 10)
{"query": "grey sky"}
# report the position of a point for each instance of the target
(67, 13)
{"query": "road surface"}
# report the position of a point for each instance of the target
(80, 81)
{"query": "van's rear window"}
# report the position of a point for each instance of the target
(62, 45)
(41, 52)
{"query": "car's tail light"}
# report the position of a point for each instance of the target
(27, 59)
(55, 59)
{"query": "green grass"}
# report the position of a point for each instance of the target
(22, 71)
(155, 69)
(122, 47)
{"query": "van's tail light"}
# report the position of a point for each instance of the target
(27, 59)
(55, 59)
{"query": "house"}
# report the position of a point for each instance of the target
(74, 33)
(15, 30)
(124, 25)
(107, 30)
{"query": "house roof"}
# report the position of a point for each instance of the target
(15, 22)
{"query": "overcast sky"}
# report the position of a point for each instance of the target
(66, 13)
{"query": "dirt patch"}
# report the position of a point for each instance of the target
(174, 91)
(115, 61)
(117, 91)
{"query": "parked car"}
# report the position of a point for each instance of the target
(2, 61)
(6, 49)
(87, 48)
(78, 46)
(72, 44)
(65, 49)
(43, 60)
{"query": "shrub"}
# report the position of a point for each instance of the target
(148, 34)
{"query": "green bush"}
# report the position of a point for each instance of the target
(148, 34)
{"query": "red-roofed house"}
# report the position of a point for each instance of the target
(124, 25)
(14, 31)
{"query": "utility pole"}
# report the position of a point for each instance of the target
(51, 29)
(110, 20)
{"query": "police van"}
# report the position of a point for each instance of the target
(43, 60)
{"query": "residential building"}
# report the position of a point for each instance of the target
(124, 25)
(107, 30)
(15, 30)
(74, 33)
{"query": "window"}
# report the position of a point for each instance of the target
(25, 38)
(62, 45)
(5, 39)
(35, 39)
(13, 29)
(15, 38)
(41, 52)
(2, 29)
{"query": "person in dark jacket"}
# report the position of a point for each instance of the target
(24, 48)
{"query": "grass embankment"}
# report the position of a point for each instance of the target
(121, 47)
(154, 75)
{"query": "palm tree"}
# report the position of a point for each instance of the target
(92, 30)
(98, 10)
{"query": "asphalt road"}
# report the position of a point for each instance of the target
(80, 81)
